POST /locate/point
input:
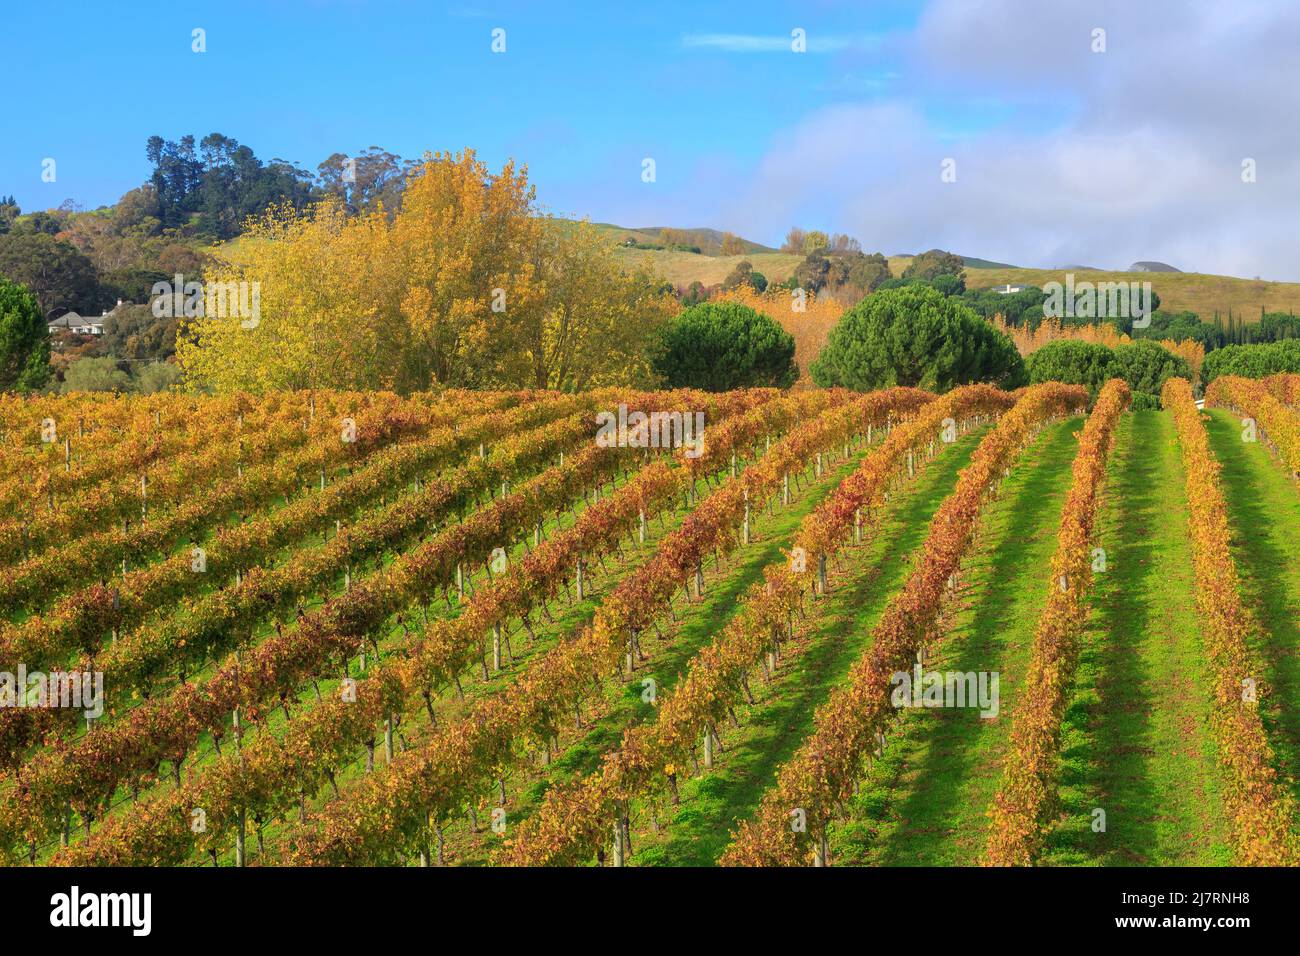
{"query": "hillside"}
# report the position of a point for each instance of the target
(683, 268)
(1197, 292)
(709, 241)
(974, 262)
(1194, 291)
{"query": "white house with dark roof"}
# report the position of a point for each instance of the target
(72, 322)
(79, 325)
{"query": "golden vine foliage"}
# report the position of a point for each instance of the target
(1285, 387)
(1261, 811)
(572, 820)
(1251, 397)
(271, 769)
(809, 327)
(431, 781)
(1019, 816)
(821, 773)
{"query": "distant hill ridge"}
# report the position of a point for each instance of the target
(707, 238)
(708, 241)
(1200, 293)
(1203, 294)
(974, 263)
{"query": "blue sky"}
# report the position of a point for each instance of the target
(1062, 154)
(581, 87)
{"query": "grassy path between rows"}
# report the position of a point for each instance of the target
(414, 724)
(833, 637)
(1137, 743)
(1264, 513)
(924, 803)
(623, 705)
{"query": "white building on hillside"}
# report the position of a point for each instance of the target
(72, 322)
(79, 325)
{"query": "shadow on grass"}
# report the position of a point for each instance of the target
(1110, 769)
(1012, 581)
(713, 806)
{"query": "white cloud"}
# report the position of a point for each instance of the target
(753, 43)
(1143, 162)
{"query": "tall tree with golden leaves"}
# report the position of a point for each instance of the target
(732, 244)
(595, 322)
(465, 286)
(464, 246)
(317, 323)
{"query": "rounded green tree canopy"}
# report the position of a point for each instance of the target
(718, 346)
(24, 340)
(1252, 361)
(915, 336)
(1146, 366)
(1074, 362)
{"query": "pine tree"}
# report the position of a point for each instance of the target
(24, 340)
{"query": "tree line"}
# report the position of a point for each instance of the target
(92, 261)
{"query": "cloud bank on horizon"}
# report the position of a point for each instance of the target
(1104, 158)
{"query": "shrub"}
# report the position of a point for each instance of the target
(718, 346)
(934, 263)
(845, 272)
(95, 375)
(24, 340)
(744, 274)
(1146, 366)
(156, 377)
(1074, 362)
(949, 284)
(813, 273)
(946, 283)
(1252, 361)
(915, 336)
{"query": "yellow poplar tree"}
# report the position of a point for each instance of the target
(465, 286)
(594, 324)
(464, 242)
(318, 324)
